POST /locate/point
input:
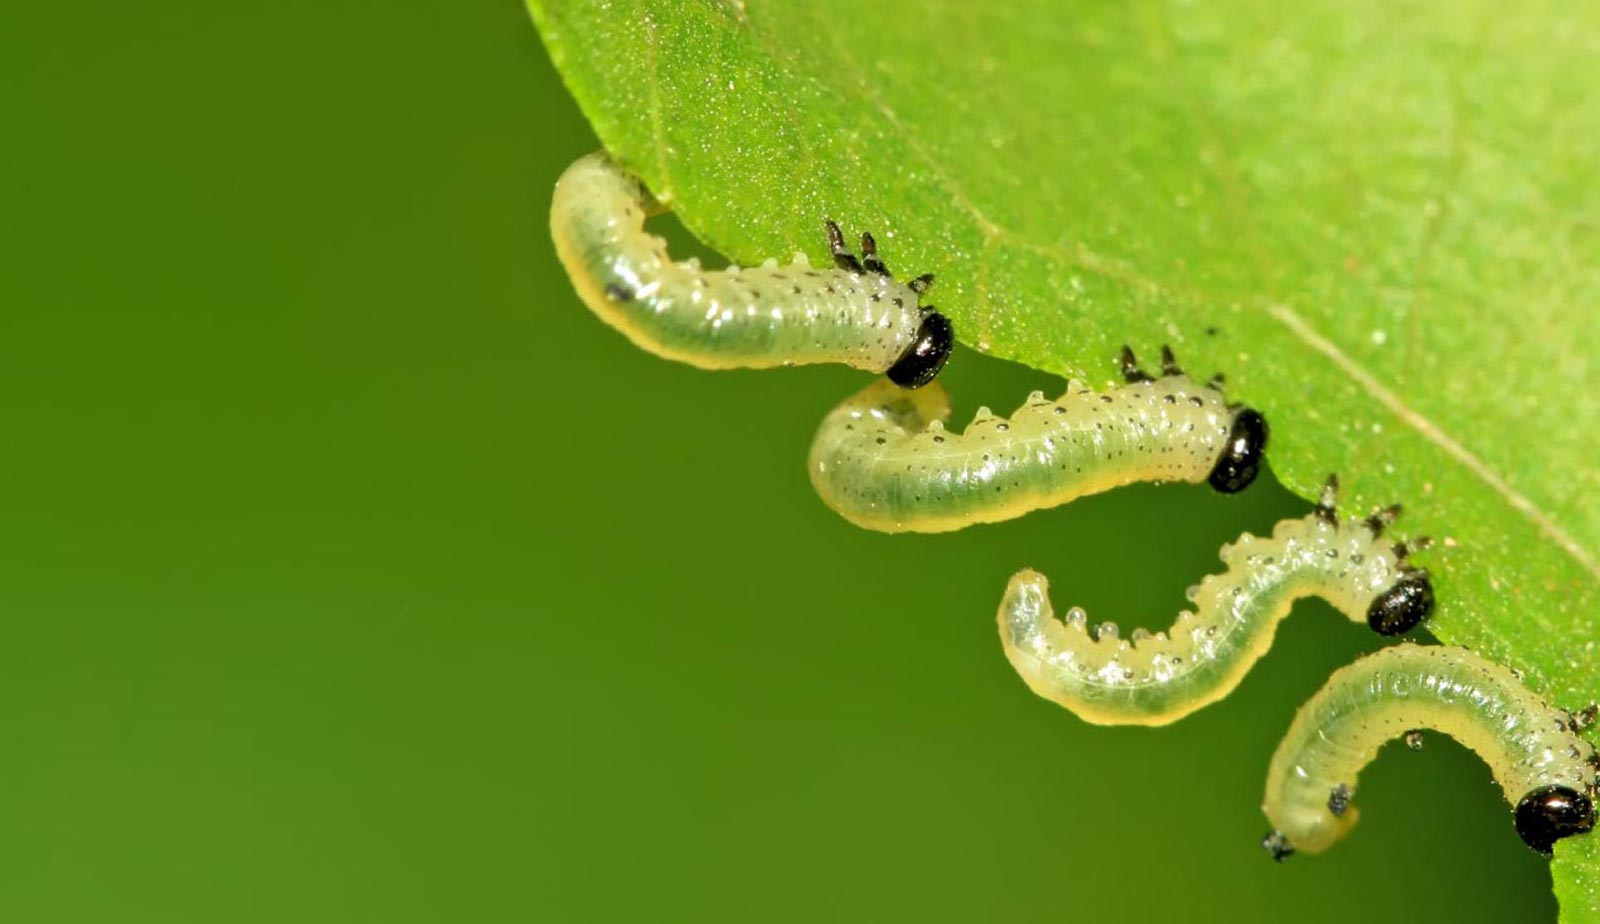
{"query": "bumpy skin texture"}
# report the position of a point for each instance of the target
(1528, 745)
(884, 460)
(1158, 679)
(757, 317)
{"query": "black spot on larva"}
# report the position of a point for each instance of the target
(618, 292)
(1277, 845)
(1339, 800)
(1401, 607)
(1551, 813)
(918, 365)
(1242, 455)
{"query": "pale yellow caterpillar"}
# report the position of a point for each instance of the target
(884, 460)
(1544, 768)
(1155, 679)
(854, 313)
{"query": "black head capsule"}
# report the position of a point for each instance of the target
(1241, 457)
(1402, 607)
(922, 361)
(1550, 813)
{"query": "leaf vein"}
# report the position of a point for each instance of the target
(1546, 524)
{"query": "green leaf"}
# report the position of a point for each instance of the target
(1380, 220)
(1576, 871)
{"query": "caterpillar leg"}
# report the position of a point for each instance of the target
(1544, 768)
(1155, 679)
(757, 317)
(890, 464)
(844, 259)
(869, 262)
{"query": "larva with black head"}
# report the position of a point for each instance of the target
(1155, 679)
(854, 313)
(1544, 768)
(885, 461)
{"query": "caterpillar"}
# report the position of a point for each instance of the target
(1533, 750)
(1157, 679)
(884, 460)
(855, 313)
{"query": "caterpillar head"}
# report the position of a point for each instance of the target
(1242, 455)
(927, 354)
(1408, 600)
(1550, 813)
(1404, 606)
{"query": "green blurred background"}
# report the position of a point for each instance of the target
(352, 571)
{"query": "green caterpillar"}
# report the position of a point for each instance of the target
(1157, 679)
(884, 460)
(1544, 768)
(760, 317)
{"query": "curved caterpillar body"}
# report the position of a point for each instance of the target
(1544, 768)
(855, 313)
(884, 460)
(1158, 679)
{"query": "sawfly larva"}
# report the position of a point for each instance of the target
(855, 313)
(1157, 679)
(884, 460)
(1544, 768)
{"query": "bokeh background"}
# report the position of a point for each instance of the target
(351, 571)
